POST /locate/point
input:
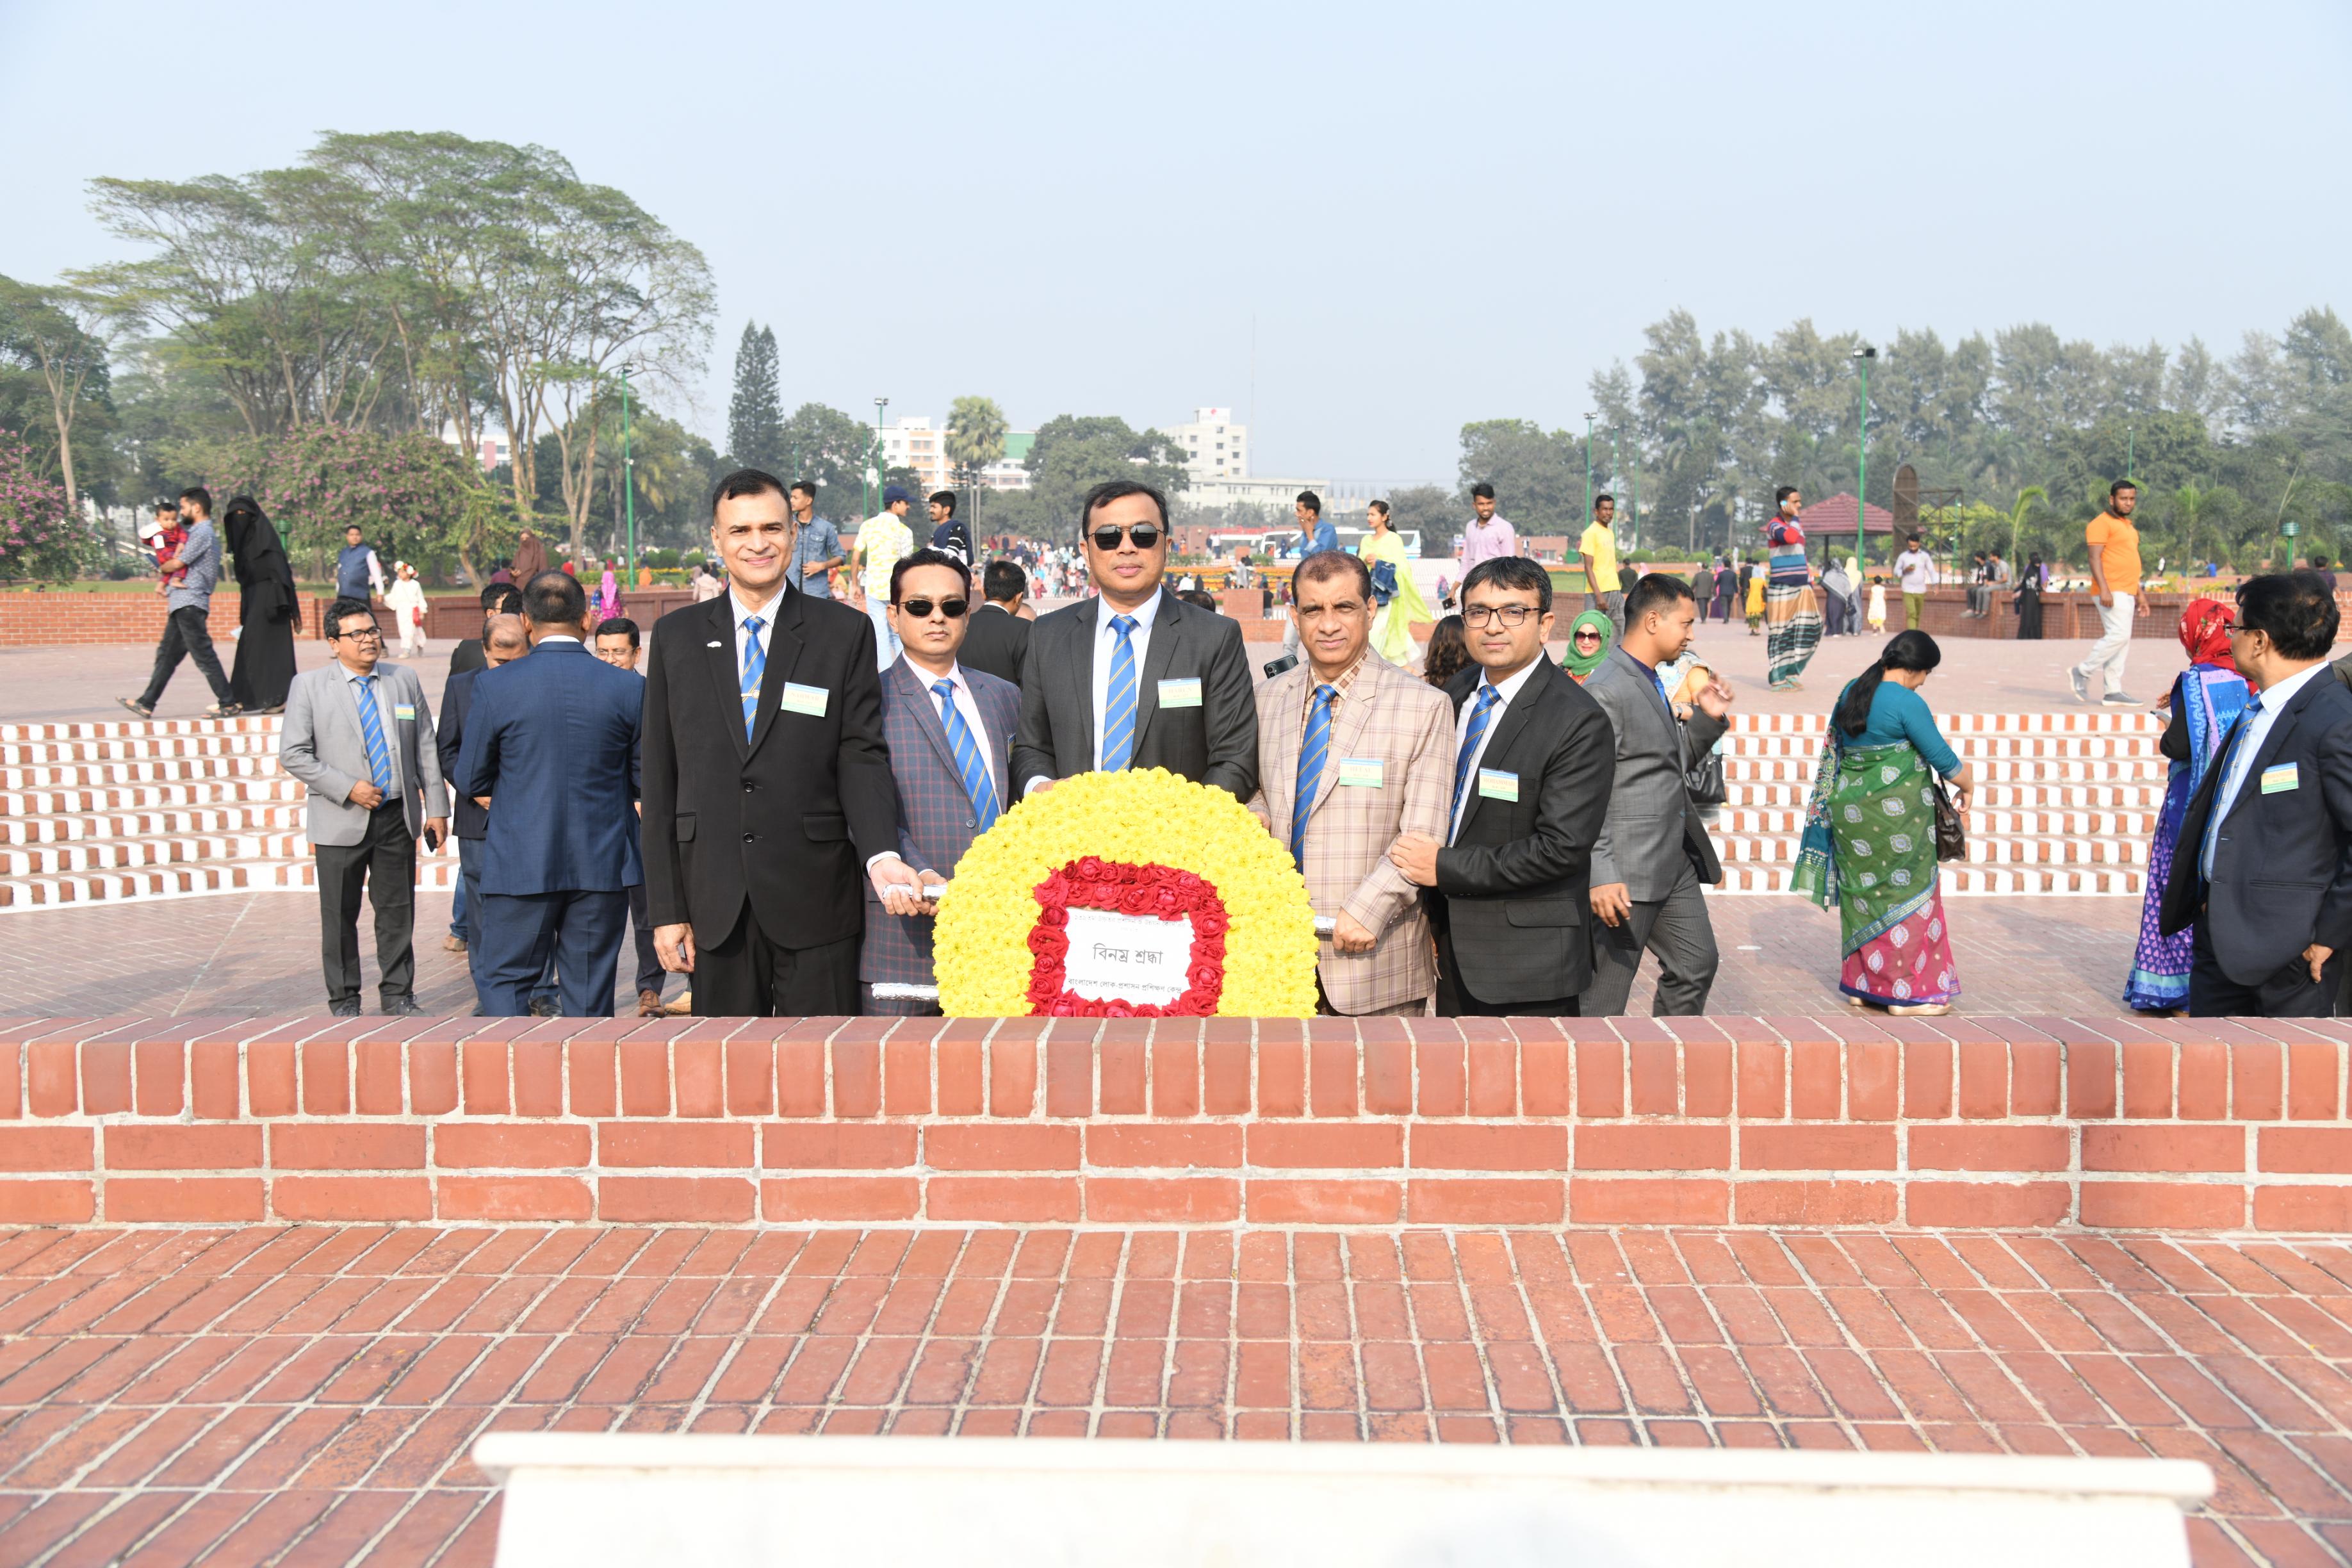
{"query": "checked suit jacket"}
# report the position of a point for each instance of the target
(1407, 726)
(937, 818)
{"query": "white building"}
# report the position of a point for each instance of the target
(1215, 446)
(913, 442)
(1279, 494)
(491, 451)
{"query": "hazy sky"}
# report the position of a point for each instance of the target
(1434, 213)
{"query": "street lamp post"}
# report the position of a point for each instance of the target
(1614, 471)
(1588, 465)
(1862, 357)
(628, 476)
(873, 497)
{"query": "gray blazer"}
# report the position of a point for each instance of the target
(1652, 831)
(323, 746)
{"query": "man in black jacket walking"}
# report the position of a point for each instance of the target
(2265, 863)
(1534, 758)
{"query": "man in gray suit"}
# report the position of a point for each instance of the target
(359, 734)
(1653, 854)
(1135, 678)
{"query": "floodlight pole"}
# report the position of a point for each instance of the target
(1588, 469)
(628, 476)
(1862, 357)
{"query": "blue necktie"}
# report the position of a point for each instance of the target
(755, 667)
(977, 782)
(1480, 714)
(1311, 752)
(371, 727)
(1119, 703)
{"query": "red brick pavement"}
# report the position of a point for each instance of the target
(308, 1395)
(258, 954)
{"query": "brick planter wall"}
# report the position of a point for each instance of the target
(43, 619)
(1978, 1123)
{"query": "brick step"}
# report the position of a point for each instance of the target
(2075, 721)
(72, 855)
(2140, 825)
(2088, 747)
(1984, 771)
(151, 797)
(183, 770)
(1984, 848)
(137, 729)
(2073, 797)
(126, 748)
(65, 829)
(1969, 881)
(189, 880)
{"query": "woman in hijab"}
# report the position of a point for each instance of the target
(530, 558)
(2028, 600)
(267, 609)
(608, 598)
(2205, 701)
(1588, 644)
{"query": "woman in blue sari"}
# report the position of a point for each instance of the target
(2205, 701)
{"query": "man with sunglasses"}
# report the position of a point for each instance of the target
(359, 737)
(950, 729)
(1533, 757)
(1134, 677)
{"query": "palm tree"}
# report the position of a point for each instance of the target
(976, 429)
(2189, 502)
(2027, 500)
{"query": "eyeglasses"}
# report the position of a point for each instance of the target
(1509, 615)
(1146, 535)
(370, 635)
(921, 608)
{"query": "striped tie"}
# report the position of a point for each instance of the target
(1312, 749)
(1480, 714)
(1118, 705)
(977, 783)
(371, 727)
(755, 667)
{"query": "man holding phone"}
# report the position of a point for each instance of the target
(359, 737)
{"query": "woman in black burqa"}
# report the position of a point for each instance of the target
(269, 612)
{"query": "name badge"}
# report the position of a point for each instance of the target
(1495, 783)
(2279, 779)
(1180, 693)
(808, 700)
(406, 711)
(1361, 772)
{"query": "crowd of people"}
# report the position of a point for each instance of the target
(775, 803)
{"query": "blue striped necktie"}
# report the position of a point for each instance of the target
(1119, 702)
(1481, 714)
(755, 667)
(1312, 749)
(371, 727)
(977, 783)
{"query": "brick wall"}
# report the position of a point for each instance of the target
(1981, 1123)
(44, 620)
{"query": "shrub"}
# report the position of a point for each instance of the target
(39, 540)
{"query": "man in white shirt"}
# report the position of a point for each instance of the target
(1916, 569)
(1488, 537)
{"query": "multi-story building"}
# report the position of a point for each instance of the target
(914, 443)
(1215, 446)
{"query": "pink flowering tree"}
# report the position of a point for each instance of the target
(413, 497)
(40, 540)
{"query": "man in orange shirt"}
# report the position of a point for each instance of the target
(2114, 578)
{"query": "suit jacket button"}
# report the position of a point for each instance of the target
(749, 837)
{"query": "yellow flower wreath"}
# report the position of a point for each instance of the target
(982, 954)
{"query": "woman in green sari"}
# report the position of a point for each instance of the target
(1870, 834)
(1589, 636)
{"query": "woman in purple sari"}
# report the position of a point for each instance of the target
(2205, 701)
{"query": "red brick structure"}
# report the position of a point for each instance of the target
(1975, 1123)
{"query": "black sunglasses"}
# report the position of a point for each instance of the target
(1146, 535)
(921, 608)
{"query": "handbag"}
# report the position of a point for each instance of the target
(1384, 583)
(1705, 779)
(1951, 834)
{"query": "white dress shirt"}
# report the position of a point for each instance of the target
(1106, 647)
(1504, 692)
(2243, 754)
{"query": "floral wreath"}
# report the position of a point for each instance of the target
(1138, 842)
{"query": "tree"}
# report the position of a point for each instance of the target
(1539, 478)
(831, 450)
(2028, 499)
(755, 417)
(975, 438)
(1074, 453)
(40, 538)
(410, 494)
(45, 331)
(1429, 510)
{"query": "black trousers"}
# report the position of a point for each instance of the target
(383, 867)
(746, 976)
(649, 970)
(186, 634)
(2290, 992)
(1454, 1000)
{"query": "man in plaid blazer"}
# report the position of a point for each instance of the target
(1369, 748)
(950, 753)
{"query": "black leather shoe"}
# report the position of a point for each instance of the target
(400, 1007)
(344, 1009)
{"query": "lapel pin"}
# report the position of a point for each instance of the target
(713, 645)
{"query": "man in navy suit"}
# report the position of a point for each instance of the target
(2265, 864)
(503, 640)
(950, 729)
(551, 747)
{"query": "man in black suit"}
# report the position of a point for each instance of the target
(2264, 866)
(502, 639)
(497, 599)
(998, 638)
(767, 782)
(1135, 678)
(1534, 758)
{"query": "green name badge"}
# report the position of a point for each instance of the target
(808, 700)
(1361, 772)
(1181, 693)
(2279, 779)
(405, 711)
(1493, 784)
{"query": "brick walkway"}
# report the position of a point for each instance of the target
(256, 954)
(308, 1395)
